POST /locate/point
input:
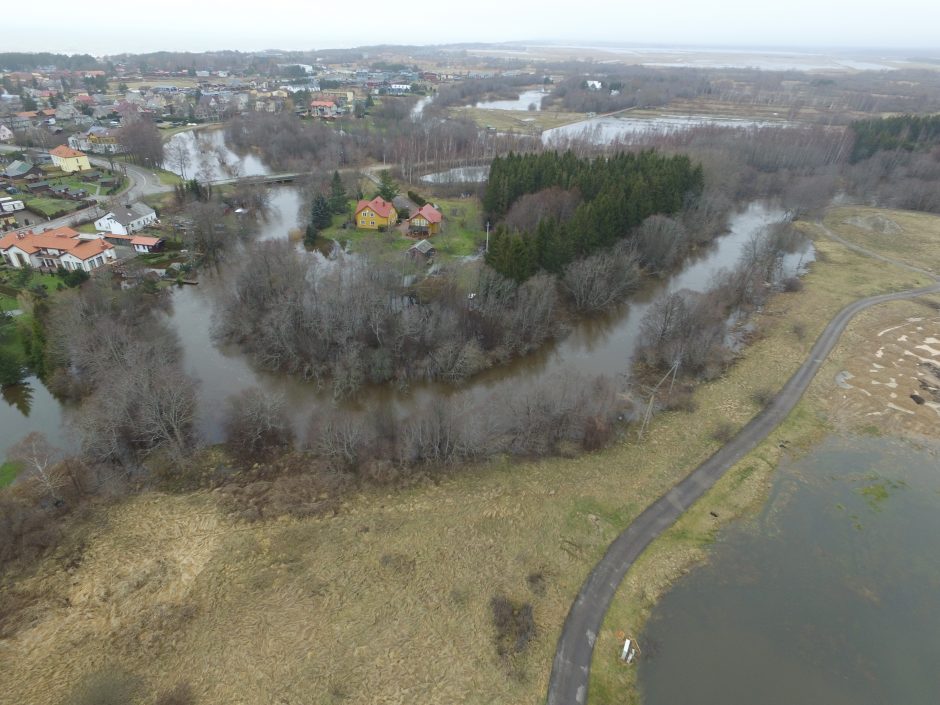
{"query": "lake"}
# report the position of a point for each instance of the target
(831, 595)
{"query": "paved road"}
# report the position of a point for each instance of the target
(141, 182)
(571, 668)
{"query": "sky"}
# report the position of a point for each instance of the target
(110, 27)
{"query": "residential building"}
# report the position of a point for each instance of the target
(375, 214)
(323, 108)
(52, 249)
(69, 160)
(129, 219)
(147, 244)
(6, 134)
(426, 221)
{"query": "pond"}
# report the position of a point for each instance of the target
(208, 157)
(831, 595)
(525, 101)
(606, 129)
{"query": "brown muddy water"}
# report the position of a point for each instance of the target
(596, 346)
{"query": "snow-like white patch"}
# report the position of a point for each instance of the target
(902, 339)
(933, 405)
(922, 359)
(880, 353)
(933, 352)
(888, 330)
(898, 408)
(932, 341)
(877, 366)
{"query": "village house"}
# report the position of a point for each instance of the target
(426, 221)
(124, 221)
(145, 244)
(375, 214)
(98, 140)
(52, 249)
(323, 108)
(6, 134)
(69, 160)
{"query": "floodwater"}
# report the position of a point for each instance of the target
(209, 158)
(603, 345)
(458, 175)
(606, 129)
(831, 595)
(523, 102)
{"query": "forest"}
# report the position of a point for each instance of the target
(607, 197)
(907, 132)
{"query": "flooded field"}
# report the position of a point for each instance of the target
(831, 595)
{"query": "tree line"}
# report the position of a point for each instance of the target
(607, 196)
(907, 132)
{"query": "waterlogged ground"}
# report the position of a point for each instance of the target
(831, 595)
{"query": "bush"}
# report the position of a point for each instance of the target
(762, 397)
(723, 432)
(418, 200)
(515, 625)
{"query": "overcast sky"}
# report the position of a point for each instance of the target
(109, 27)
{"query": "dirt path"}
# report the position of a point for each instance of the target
(568, 684)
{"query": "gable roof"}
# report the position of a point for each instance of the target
(429, 213)
(65, 152)
(423, 247)
(147, 241)
(64, 239)
(378, 204)
(17, 168)
(126, 215)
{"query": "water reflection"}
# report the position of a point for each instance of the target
(832, 595)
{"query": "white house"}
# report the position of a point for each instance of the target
(60, 247)
(6, 134)
(124, 221)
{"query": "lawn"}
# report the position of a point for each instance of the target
(462, 234)
(8, 473)
(388, 599)
(8, 303)
(168, 178)
(50, 207)
(50, 282)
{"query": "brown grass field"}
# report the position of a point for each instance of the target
(388, 600)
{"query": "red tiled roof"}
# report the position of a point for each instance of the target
(322, 104)
(381, 207)
(65, 152)
(429, 213)
(64, 239)
(142, 240)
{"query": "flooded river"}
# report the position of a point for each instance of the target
(602, 345)
(831, 595)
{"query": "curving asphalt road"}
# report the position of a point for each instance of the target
(571, 668)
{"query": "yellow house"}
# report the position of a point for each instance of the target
(375, 214)
(69, 160)
(427, 221)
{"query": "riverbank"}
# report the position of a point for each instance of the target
(389, 599)
(851, 393)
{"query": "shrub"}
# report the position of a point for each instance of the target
(515, 625)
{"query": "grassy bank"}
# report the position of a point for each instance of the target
(388, 600)
(912, 238)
